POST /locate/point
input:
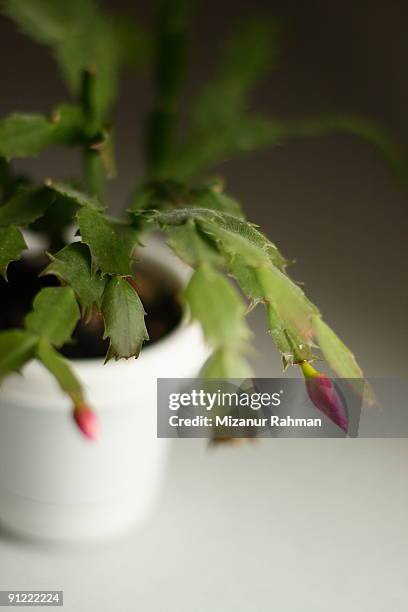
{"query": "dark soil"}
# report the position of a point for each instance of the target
(157, 293)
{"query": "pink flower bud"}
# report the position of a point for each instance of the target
(87, 421)
(324, 396)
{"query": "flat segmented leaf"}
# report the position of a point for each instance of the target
(340, 358)
(226, 363)
(292, 347)
(238, 134)
(77, 197)
(27, 134)
(12, 244)
(17, 347)
(235, 238)
(26, 206)
(112, 244)
(219, 122)
(72, 265)
(243, 133)
(47, 22)
(80, 36)
(247, 57)
(246, 277)
(215, 303)
(288, 300)
(234, 235)
(54, 315)
(124, 318)
(191, 245)
(61, 370)
(370, 131)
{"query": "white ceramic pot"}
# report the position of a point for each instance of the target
(55, 484)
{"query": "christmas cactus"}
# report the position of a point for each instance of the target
(203, 224)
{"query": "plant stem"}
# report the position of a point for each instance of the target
(172, 19)
(94, 173)
(93, 168)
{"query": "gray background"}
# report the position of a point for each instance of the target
(291, 525)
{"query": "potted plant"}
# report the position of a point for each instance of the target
(80, 294)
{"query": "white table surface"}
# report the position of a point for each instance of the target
(285, 525)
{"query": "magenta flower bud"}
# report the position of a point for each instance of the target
(324, 396)
(87, 421)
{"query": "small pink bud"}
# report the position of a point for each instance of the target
(324, 396)
(87, 421)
